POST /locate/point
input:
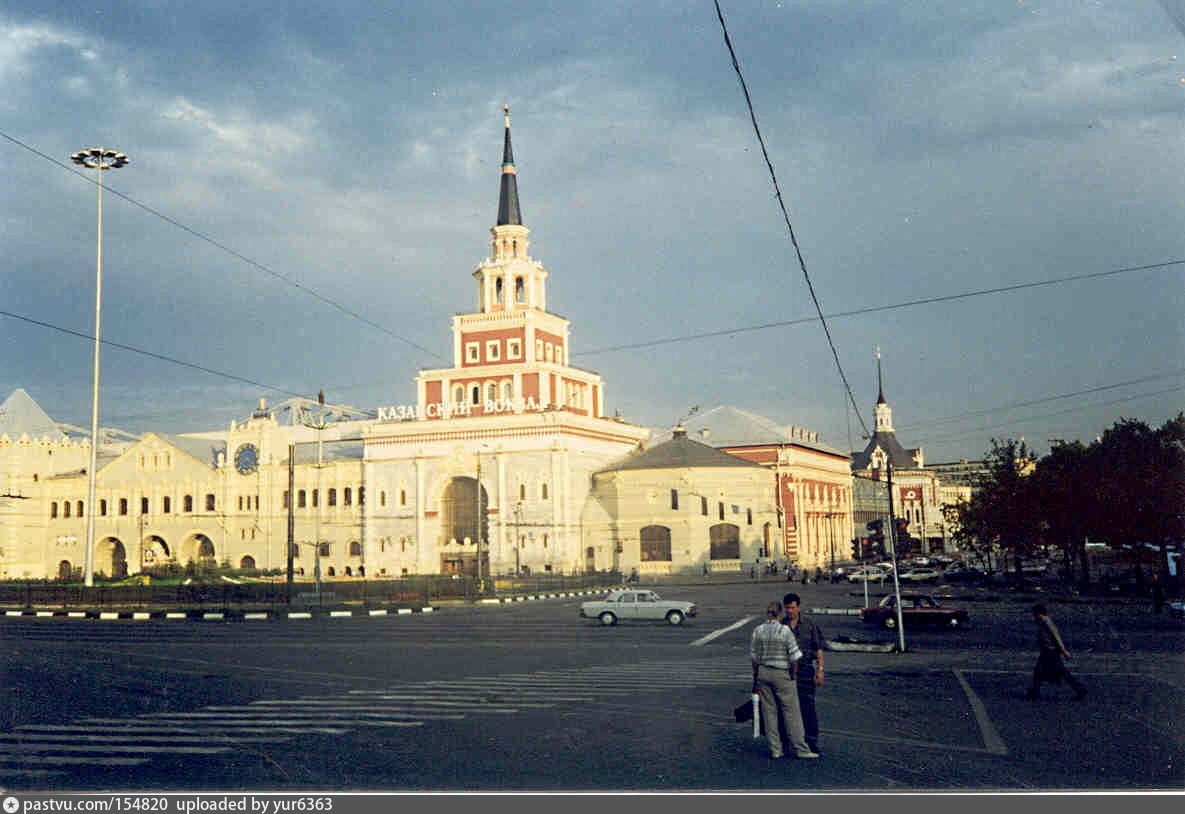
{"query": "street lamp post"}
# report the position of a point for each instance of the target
(96, 158)
(317, 425)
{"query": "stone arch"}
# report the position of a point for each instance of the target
(459, 510)
(111, 558)
(156, 550)
(655, 542)
(65, 571)
(198, 548)
(247, 562)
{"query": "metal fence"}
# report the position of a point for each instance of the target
(412, 591)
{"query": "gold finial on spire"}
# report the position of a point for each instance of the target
(506, 112)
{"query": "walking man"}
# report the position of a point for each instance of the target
(810, 666)
(775, 654)
(1050, 667)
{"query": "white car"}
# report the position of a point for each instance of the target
(631, 604)
(869, 573)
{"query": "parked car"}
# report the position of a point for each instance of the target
(962, 573)
(920, 575)
(870, 573)
(629, 605)
(1177, 609)
(916, 610)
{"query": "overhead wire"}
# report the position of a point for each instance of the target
(785, 215)
(223, 247)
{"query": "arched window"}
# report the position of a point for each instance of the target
(383, 497)
(458, 394)
(65, 508)
(103, 508)
(507, 390)
(766, 541)
(209, 503)
(520, 291)
(355, 549)
(53, 510)
(302, 498)
(522, 492)
(187, 503)
(655, 544)
(498, 291)
(492, 392)
(402, 497)
(78, 506)
(476, 393)
(543, 491)
(725, 542)
(247, 562)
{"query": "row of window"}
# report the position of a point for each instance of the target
(724, 543)
(703, 506)
(492, 392)
(544, 351)
(123, 504)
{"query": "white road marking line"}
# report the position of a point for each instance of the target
(194, 728)
(74, 760)
(991, 738)
(7, 772)
(57, 747)
(403, 703)
(358, 719)
(718, 633)
(46, 737)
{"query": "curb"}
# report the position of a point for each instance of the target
(836, 611)
(208, 616)
(507, 600)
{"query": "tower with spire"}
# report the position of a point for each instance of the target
(511, 355)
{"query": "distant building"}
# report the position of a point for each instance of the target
(811, 481)
(917, 497)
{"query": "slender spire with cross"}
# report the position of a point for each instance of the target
(508, 209)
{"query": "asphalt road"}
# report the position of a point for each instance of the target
(529, 697)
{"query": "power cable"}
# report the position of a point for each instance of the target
(237, 255)
(151, 354)
(989, 410)
(785, 215)
(893, 307)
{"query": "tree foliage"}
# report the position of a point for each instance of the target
(1127, 489)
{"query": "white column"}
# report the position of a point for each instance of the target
(422, 548)
(498, 544)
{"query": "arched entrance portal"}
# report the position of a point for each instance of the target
(65, 571)
(155, 551)
(111, 558)
(198, 549)
(462, 507)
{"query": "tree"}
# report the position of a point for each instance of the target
(1003, 510)
(1066, 483)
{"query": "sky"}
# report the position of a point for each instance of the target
(312, 185)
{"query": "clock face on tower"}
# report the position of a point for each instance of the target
(246, 459)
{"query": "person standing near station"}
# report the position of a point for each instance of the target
(1050, 667)
(774, 654)
(810, 666)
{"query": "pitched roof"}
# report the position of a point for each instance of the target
(21, 415)
(728, 426)
(680, 453)
(899, 456)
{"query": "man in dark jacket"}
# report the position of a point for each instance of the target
(810, 666)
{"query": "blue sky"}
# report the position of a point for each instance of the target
(924, 150)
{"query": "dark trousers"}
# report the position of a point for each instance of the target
(1051, 669)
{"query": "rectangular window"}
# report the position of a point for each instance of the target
(332, 497)
(514, 349)
(209, 503)
(675, 499)
(301, 499)
(721, 505)
(123, 505)
(103, 508)
(143, 505)
(287, 498)
(703, 506)
(240, 503)
(347, 496)
(166, 505)
(538, 350)
(472, 352)
(316, 498)
(493, 350)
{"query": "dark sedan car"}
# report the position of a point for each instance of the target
(916, 610)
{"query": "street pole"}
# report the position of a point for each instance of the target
(477, 514)
(893, 545)
(96, 158)
(291, 516)
(518, 519)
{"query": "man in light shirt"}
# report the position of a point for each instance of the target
(775, 654)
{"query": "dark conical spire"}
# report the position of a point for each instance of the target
(508, 211)
(880, 386)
